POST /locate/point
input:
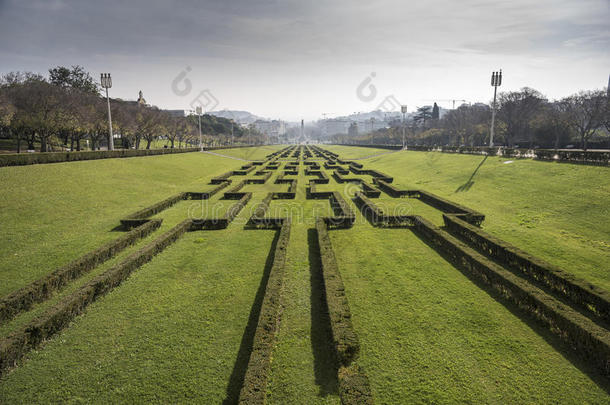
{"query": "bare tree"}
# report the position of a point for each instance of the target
(585, 112)
(517, 109)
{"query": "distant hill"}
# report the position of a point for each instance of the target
(241, 117)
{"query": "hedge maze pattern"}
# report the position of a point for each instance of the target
(571, 308)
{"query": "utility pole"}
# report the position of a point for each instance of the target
(496, 81)
(106, 82)
(403, 110)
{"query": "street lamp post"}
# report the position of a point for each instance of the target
(496, 81)
(198, 110)
(403, 110)
(106, 82)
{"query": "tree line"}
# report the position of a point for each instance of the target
(66, 111)
(524, 118)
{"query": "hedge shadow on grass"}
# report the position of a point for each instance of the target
(326, 368)
(236, 381)
(559, 345)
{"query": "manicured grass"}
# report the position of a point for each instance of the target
(179, 328)
(430, 335)
(559, 212)
(53, 213)
(303, 370)
(170, 333)
(253, 153)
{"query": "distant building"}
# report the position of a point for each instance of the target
(271, 128)
(335, 127)
(353, 129)
(141, 100)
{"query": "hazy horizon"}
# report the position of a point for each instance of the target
(293, 60)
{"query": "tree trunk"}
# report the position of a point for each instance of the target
(43, 144)
(148, 141)
(78, 144)
(172, 139)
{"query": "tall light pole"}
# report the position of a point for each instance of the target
(198, 111)
(403, 110)
(496, 81)
(106, 82)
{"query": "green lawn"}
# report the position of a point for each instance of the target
(170, 333)
(559, 212)
(53, 213)
(178, 329)
(429, 335)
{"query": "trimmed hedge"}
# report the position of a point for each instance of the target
(316, 195)
(376, 215)
(21, 159)
(196, 195)
(260, 211)
(234, 193)
(587, 296)
(322, 177)
(345, 340)
(344, 216)
(354, 387)
(259, 180)
(43, 327)
(392, 191)
(41, 289)
(136, 218)
(245, 170)
(450, 207)
(254, 389)
(222, 178)
(369, 190)
(225, 220)
(338, 175)
(589, 339)
(292, 190)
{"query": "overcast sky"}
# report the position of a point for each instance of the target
(293, 59)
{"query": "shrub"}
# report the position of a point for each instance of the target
(589, 339)
(449, 207)
(587, 296)
(345, 339)
(393, 191)
(18, 343)
(41, 289)
(20, 159)
(137, 218)
(195, 195)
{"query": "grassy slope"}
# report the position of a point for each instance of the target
(53, 213)
(559, 212)
(390, 277)
(170, 333)
(429, 335)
